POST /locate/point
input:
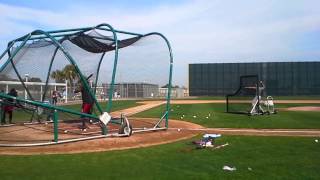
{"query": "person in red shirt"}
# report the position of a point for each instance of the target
(9, 107)
(87, 101)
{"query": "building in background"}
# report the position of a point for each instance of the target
(176, 92)
(141, 90)
(280, 78)
(133, 90)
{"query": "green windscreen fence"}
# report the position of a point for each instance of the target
(280, 78)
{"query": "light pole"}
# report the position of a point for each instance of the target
(91, 84)
(25, 91)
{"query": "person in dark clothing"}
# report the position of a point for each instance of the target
(87, 101)
(2, 107)
(9, 107)
(54, 97)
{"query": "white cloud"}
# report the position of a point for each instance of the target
(200, 31)
(144, 20)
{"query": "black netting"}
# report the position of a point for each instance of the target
(241, 101)
(40, 69)
(35, 124)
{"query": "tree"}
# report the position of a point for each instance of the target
(67, 73)
(58, 76)
(70, 74)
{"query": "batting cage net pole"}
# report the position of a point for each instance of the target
(60, 43)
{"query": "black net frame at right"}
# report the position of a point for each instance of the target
(241, 101)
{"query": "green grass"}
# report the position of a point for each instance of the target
(314, 97)
(21, 115)
(116, 105)
(218, 117)
(268, 157)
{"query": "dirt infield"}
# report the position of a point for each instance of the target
(302, 108)
(258, 132)
(145, 105)
(178, 130)
(114, 143)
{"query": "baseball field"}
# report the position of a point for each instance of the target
(278, 146)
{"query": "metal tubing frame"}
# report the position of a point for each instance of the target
(71, 60)
(47, 34)
(55, 52)
(55, 118)
(55, 125)
(4, 53)
(55, 33)
(115, 62)
(48, 74)
(39, 34)
(68, 56)
(148, 130)
(160, 120)
(10, 44)
(170, 75)
(10, 59)
(63, 141)
(48, 106)
(98, 71)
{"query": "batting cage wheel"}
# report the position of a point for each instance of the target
(125, 129)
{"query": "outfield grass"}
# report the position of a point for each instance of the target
(315, 97)
(218, 117)
(268, 157)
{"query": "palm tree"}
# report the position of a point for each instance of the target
(67, 73)
(70, 74)
(58, 76)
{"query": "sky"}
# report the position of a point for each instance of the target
(200, 31)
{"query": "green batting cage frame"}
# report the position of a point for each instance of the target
(101, 41)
